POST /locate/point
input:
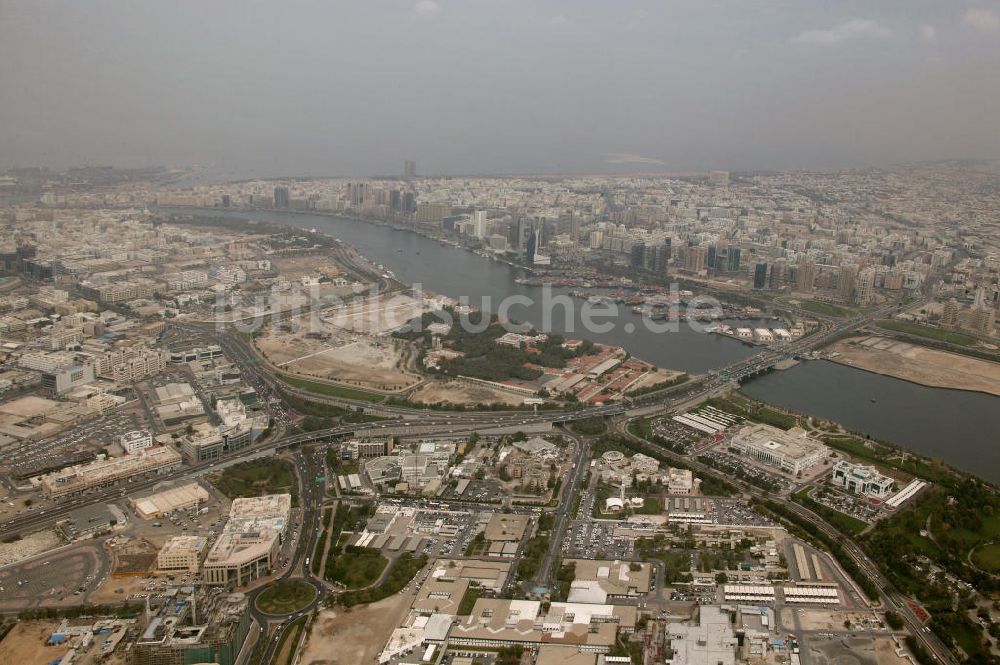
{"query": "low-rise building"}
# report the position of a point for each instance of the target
(598, 581)
(92, 520)
(167, 501)
(102, 472)
(680, 481)
(177, 405)
(490, 575)
(130, 363)
(793, 451)
(504, 533)
(136, 440)
(181, 554)
(710, 640)
(355, 449)
(495, 623)
(232, 412)
(207, 442)
(62, 379)
(861, 479)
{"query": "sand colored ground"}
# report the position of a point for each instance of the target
(356, 636)
(293, 267)
(655, 377)
(376, 315)
(853, 651)
(128, 585)
(358, 360)
(928, 367)
(832, 620)
(29, 546)
(885, 653)
(25, 644)
(461, 392)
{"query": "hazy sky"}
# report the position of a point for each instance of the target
(497, 86)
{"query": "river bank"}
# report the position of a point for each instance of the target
(917, 364)
(956, 426)
(493, 286)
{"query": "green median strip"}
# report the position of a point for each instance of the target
(290, 638)
(331, 390)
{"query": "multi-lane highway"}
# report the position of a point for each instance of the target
(404, 419)
(312, 495)
(562, 515)
(433, 423)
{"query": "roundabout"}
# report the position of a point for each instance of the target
(285, 597)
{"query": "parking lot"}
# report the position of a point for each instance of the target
(855, 505)
(480, 491)
(588, 539)
(65, 577)
(726, 462)
(685, 438)
(35, 457)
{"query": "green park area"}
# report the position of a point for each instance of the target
(356, 567)
(286, 597)
(757, 412)
(472, 594)
(589, 426)
(400, 572)
(827, 309)
(352, 567)
(676, 562)
(938, 334)
(267, 475)
(483, 357)
(950, 525)
(987, 557)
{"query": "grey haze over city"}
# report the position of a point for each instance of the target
(351, 88)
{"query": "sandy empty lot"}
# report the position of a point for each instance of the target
(655, 377)
(460, 392)
(367, 362)
(375, 315)
(29, 546)
(929, 367)
(355, 636)
(815, 619)
(293, 267)
(25, 644)
(853, 651)
(128, 585)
